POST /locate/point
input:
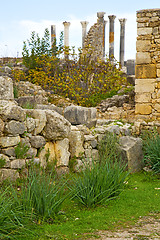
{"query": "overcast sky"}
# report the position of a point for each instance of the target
(18, 18)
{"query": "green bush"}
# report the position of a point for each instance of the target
(151, 149)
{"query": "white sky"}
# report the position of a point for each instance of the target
(19, 18)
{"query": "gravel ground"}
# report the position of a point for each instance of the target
(145, 229)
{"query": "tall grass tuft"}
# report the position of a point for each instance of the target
(41, 194)
(101, 180)
(151, 147)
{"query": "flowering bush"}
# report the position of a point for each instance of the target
(75, 76)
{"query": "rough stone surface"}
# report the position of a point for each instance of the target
(9, 151)
(9, 141)
(132, 152)
(8, 174)
(6, 88)
(12, 112)
(62, 152)
(18, 163)
(30, 124)
(1, 126)
(15, 128)
(57, 127)
(50, 107)
(75, 143)
(37, 141)
(77, 115)
(40, 119)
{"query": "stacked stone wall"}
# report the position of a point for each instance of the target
(147, 83)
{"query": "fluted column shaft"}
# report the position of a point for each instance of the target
(53, 34)
(84, 31)
(111, 36)
(122, 41)
(66, 33)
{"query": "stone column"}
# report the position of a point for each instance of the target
(66, 33)
(53, 34)
(100, 16)
(122, 41)
(84, 31)
(111, 36)
(100, 19)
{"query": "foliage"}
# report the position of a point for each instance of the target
(11, 218)
(21, 150)
(76, 76)
(101, 180)
(151, 150)
(2, 162)
(15, 92)
(40, 194)
(35, 47)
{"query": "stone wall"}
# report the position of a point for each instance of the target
(147, 83)
(94, 44)
(49, 133)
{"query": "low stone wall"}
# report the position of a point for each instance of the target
(147, 83)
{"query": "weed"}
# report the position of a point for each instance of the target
(2, 162)
(15, 91)
(21, 150)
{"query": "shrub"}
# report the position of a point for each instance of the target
(77, 77)
(151, 148)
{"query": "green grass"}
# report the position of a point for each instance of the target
(139, 198)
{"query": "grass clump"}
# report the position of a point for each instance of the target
(101, 180)
(21, 150)
(40, 194)
(151, 148)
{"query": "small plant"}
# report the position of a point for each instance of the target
(15, 91)
(2, 162)
(151, 148)
(28, 105)
(72, 164)
(21, 150)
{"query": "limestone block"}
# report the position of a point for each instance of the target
(50, 107)
(6, 88)
(32, 152)
(143, 45)
(30, 124)
(158, 73)
(145, 85)
(18, 163)
(81, 115)
(62, 152)
(76, 143)
(1, 126)
(143, 98)
(57, 127)
(37, 141)
(9, 141)
(8, 174)
(7, 161)
(13, 112)
(47, 154)
(9, 151)
(157, 107)
(132, 152)
(158, 94)
(40, 119)
(144, 31)
(15, 128)
(145, 71)
(143, 58)
(144, 109)
(94, 154)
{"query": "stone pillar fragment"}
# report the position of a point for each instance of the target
(84, 31)
(66, 33)
(111, 36)
(100, 19)
(53, 34)
(122, 41)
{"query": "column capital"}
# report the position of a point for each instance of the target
(112, 17)
(100, 16)
(122, 21)
(84, 24)
(66, 24)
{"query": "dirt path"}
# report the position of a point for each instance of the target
(146, 228)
